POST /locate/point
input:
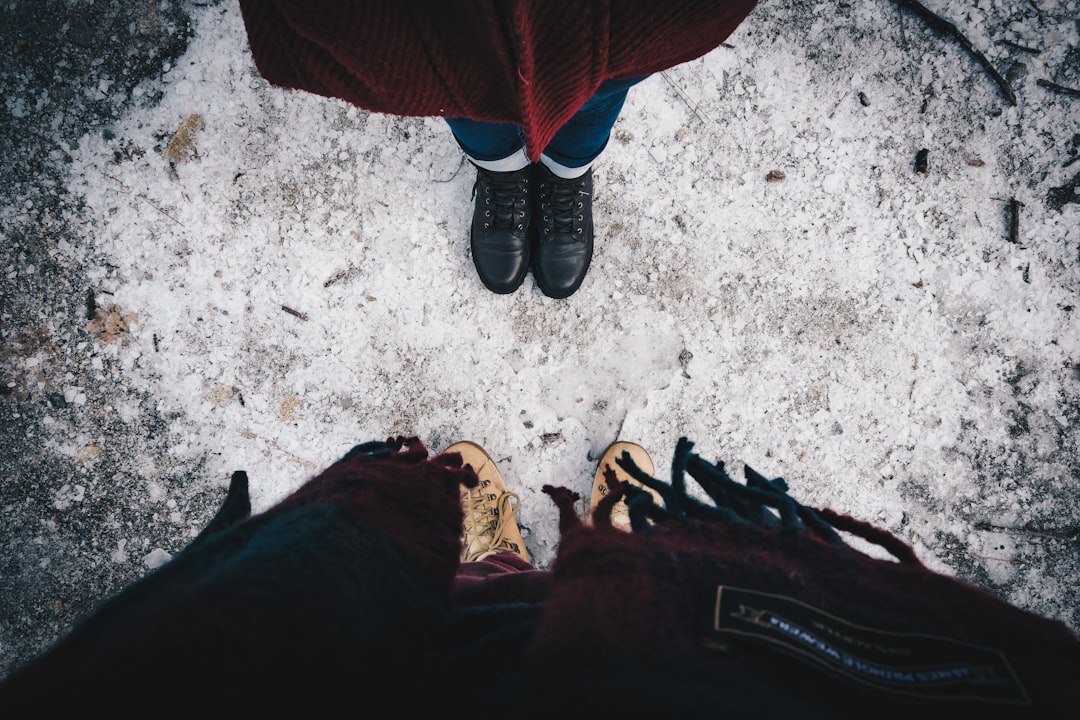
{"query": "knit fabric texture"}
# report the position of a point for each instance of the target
(642, 606)
(727, 598)
(342, 585)
(531, 63)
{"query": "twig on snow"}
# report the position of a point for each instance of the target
(1057, 88)
(1024, 48)
(944, 26)
(136, 193)
(1014, 220)
(980, 557)
(295, 313)
(253, 436)
(1072, 533)
(682, 96)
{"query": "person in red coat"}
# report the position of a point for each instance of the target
(529, 88)
(394, 581)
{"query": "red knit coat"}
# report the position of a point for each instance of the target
(532, 63)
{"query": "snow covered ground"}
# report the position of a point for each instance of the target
(773, 279)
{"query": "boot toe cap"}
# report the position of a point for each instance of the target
(501, 260)
(559, 269)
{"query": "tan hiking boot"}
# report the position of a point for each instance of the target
(490, 526)
(620, 514)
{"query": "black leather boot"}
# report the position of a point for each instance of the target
(500, 228)
(564, 232)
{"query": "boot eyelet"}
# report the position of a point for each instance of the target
(521, 214)
(580, 218)
(487, 213)
(579, 231)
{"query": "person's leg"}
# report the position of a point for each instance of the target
(564, 225)
(499, 147)
(497, 592)
(581, 140)
(502, 578)
(502, 210)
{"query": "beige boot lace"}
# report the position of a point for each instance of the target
(486, 519)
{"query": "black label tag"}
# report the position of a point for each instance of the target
(922, 666)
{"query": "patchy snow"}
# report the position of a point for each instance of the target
(865, 331)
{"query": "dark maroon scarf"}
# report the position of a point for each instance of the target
(341, 597)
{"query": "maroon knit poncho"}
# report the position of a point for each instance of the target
(532, 63)
(341, 598)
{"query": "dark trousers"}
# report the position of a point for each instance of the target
(577, 143)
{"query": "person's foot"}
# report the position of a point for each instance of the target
(606, 468)
(564, 232)
(499, 237)
(489, 525)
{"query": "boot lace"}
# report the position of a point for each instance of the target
(504, 199)
(561, 206)
(486, 520)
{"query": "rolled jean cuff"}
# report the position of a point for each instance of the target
(508, 164)
(564, 171)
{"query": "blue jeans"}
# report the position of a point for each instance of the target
(575, 145)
